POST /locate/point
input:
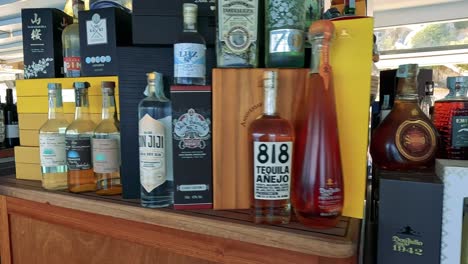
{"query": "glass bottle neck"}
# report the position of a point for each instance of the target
(156, 89)
(269, 104)
(9, 99)
(407, 89)
(108, 107)
(190, 26)
(76, 9)
(82, 105)
(319, 58)
(55, 106)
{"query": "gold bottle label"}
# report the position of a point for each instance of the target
(415, 140)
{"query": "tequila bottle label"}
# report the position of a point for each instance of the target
(286, 40)
(459, 131)
(52, 150)
(272, 170)
(189, 60)
(238, 23)
(415, 140)
(106, 155)
(152, 144)
(78, 153)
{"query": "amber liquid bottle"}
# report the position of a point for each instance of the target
(271, 143)
(406, 138)
(317, 186)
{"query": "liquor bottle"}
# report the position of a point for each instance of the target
(350, 8)
(427, 103)
(106, 145)
(237, 35)
(2, 126)
(71, 43)
(375, 73)
(314, 11)
(284, 25)
(78, 144)
(406, 139)
(155, 145)
(271, 142)
(52, 143)
(11, 121)
(451, 120)
(190, 51)
(317, 184)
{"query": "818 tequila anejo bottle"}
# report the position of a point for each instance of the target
(106, 145)
(71, 43)
(406, 139)
(78, 144)
(52, 142)
(271, 142)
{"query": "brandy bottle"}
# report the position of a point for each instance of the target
(271, 143)
(406, 138)
(317, 184)
(451, 120)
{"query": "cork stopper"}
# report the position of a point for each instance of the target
(190, 13)
(408, 71)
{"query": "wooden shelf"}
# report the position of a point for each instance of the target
(229, 226)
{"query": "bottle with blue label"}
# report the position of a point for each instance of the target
(190, 51)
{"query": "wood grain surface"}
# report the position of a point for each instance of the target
(5, 250)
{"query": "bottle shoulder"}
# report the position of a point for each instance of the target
(54, 125)
(108, 126)
(81, 126)
(271, 125)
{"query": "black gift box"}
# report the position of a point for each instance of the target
(42, 42)
(410, 218)
(101, 32)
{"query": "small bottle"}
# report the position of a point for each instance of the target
(406, 139)
(155, 145)
(52, 143)
(106, 145)
(237, 44)
(78, 144)
(2, 126)
(427, 103)
(451, 120)
(350, 8)
(284, 26)
(71, 43)
(11, 121)
(190, 51)
(271, 142)
(317, 186)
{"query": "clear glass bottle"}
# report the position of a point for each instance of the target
(11, 121)
(155, 145)
(284, 28)
(427, 103)
(317, 184)
(271, 143)
(237, 43)
(406, 139)
(106, 145)
(52, 142)
(190, 51)
(78, 144)
(71, 43)
(451, 120)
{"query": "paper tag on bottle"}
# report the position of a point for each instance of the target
(189, 60)
(272, 170)
(52, 150)
(106, 155)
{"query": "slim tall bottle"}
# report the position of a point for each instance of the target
(71, 43)
(11, 121)
(317, 186)
(106, 145)
(271, 142)
(52, 143)
(427, 103)
(155, 145)
(284, 26)
(78, 144)
(190, 51)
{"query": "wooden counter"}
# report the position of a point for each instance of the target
(38, 226)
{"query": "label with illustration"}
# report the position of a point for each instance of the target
(272, 170)
(286, 40)
(106, 155)
(78, 153)
(415, 140)
(191, 130)
(96, 30)
(330, 199)
(189, 60)
(460, 131)
(52, 150)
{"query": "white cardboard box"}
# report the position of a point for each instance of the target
(454, 175)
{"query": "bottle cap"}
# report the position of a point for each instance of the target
(106, 84)
(81, 85)
(190, 13)
(54, 86)
(408, 71)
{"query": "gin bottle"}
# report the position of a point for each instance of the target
(284, 25)
(155, 145)
(78, 144)
(71, 43)
(52, 143)
(237, 33)
(189, 51)
(106, 145)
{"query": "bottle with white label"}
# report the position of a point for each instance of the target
(52, 142)
(284, 27)
(190, 51)
(11, 121)
(71, 43)
(106, 145)
(155, 145)
(271, 142)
